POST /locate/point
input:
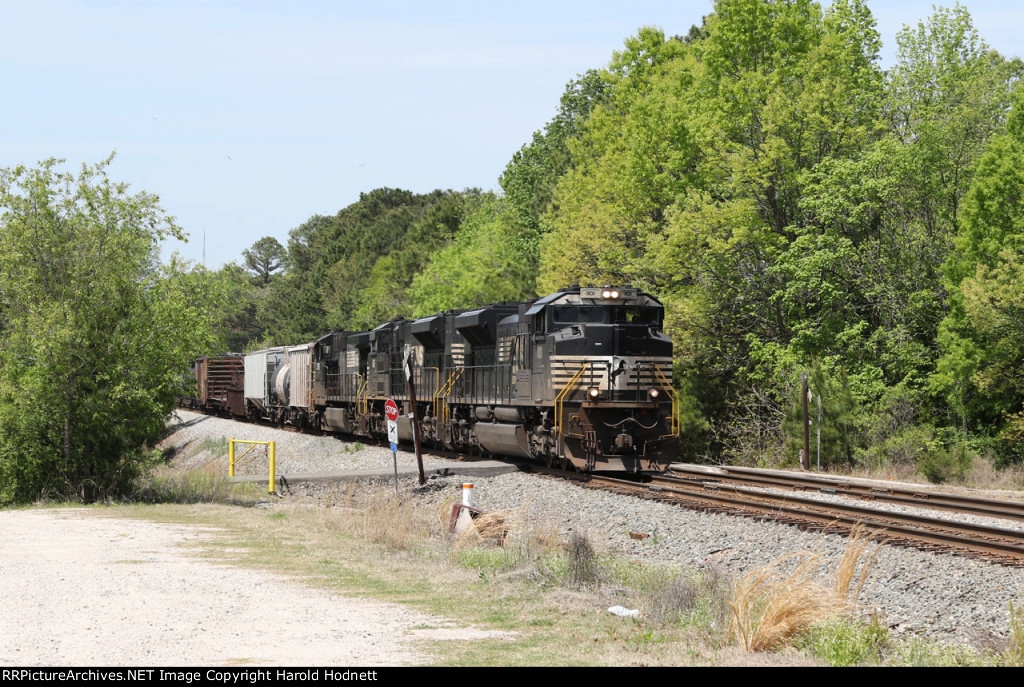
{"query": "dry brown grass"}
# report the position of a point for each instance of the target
(489, 528)
(378, 516)
(983, 474)
(855, 565)
(770, 606)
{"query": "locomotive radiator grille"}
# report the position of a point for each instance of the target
(639, 371)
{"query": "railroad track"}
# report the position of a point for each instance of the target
(739, 491)
(863, 490)
(996, 544)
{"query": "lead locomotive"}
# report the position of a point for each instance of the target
(582, 377)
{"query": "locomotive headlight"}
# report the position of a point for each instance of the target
(653, 394)
(606, 294)
(593, 392)
(615, 295)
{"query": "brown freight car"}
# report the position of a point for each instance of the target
(220, 384)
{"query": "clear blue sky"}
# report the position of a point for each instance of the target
(248, 116)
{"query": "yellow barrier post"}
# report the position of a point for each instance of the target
(272, 454)
(270, 487)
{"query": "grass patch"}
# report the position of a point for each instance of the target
(845, 642)
(216, 446)
(1013, 655)
(207, 484)
(699, 600)
(921, 653)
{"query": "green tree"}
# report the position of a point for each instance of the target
(980, 369)
(97, 335)
(265, 257)
(633, 157)
(238, 325)
(331, 261)
(530, 178)
(486, 262)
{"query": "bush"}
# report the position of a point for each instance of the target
(700, 599)
(845, 642)
(95, 336)
(939, 465)
(582, 568)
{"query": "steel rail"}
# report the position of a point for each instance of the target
(905, 496)
(1003, 546)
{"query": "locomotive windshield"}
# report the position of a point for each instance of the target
(573, 314)
(596, 314)
(637, 315)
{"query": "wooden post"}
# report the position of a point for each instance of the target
(805, 457)
(415, 418)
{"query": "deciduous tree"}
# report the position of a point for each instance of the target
(97, 335)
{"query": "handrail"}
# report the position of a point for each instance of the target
(361, 397)
(433, 396)
(675, 398)
(444, 393)
(560, 398)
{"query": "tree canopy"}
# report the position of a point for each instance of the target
(97, 336)
(796, 206)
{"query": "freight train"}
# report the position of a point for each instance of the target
(581, 378)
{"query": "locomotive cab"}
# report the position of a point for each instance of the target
(610, 372)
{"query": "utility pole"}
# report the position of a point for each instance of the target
(805, 455)
(415, 419)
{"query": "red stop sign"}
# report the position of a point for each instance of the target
(391, 410)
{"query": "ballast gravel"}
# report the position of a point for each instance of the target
(938, 595)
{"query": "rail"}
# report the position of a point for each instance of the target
(563, 394)
(445, 408)
(485, 384)
(422, 389)
(362, 401)
(664, 384)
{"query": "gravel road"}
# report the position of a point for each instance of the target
(81, 590)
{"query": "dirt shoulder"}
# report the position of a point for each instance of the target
(85, 590)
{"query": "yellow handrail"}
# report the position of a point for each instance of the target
(361, 402)
(445, 392)
(675, 398)
(560, 398)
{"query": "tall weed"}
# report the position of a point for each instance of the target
(770, 607)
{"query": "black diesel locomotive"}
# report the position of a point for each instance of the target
(582, 377)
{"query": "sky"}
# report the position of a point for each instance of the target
(247, 117)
